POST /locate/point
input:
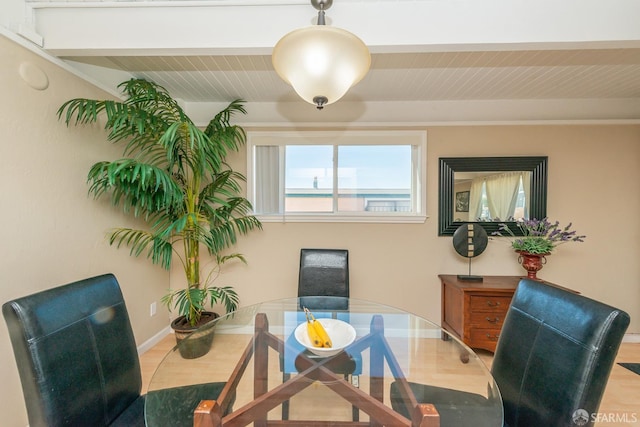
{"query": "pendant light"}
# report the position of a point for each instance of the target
(321, 62)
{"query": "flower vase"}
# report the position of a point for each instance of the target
(532, 262)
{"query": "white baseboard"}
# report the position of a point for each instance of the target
(631, 338)
(148, 344)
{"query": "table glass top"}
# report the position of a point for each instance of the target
(269, 375)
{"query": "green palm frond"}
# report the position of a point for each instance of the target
(186, 144)
(228, 137)
(178, 228)
(235, 207)
(224, 233)
(222, 186)
(226, 295)
(82, 111)
(221, 124)
(160, 251)
(133, 185)
(186, 300)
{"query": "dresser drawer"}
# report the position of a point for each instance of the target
(475, 310)
(487, 319)
(489, 303)
(483, 338)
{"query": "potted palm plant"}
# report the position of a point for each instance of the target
(174, 176)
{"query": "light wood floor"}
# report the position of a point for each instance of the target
(620, 405)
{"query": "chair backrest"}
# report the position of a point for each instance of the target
(75, 352)
(324, 272)
(554, 355)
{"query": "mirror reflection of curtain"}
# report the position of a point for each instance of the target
(526, 186)
(475, 199)
(502, 194)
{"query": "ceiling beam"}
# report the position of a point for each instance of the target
(253, 27)
(429, 113)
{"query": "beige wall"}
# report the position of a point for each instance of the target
(593, 172)
(54, 234)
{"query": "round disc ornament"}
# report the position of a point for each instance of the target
(470, 240)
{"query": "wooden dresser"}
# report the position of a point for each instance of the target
(474, 311)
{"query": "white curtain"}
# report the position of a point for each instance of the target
(267, 179)
(475, 199)
(526, 186)
(502, 194)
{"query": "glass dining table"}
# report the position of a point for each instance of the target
(266, 377)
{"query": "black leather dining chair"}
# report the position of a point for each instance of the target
(78, 362)
(552, 362)
(323, 273)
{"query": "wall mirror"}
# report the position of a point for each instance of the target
(491, 190)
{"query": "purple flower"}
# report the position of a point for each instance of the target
(539, 236)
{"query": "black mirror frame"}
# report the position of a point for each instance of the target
(449, 165)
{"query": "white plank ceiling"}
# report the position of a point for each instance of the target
(536, 74)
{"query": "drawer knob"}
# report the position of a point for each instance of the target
(493, 337)
(492, 303)
(494, 320)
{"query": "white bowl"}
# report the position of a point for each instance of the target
(341, 333)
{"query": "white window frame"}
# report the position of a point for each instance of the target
(417, 139)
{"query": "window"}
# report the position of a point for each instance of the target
(375, 176)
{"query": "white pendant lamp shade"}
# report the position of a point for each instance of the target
(321, 62)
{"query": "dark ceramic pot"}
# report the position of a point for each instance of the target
(199, 337)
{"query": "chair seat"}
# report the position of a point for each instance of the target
(133, 416)
(179, 403)
(456, 408)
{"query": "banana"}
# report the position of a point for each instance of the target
(319, 332)
(322, 333)
(316, 341)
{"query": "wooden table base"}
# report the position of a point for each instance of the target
(210, 413)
